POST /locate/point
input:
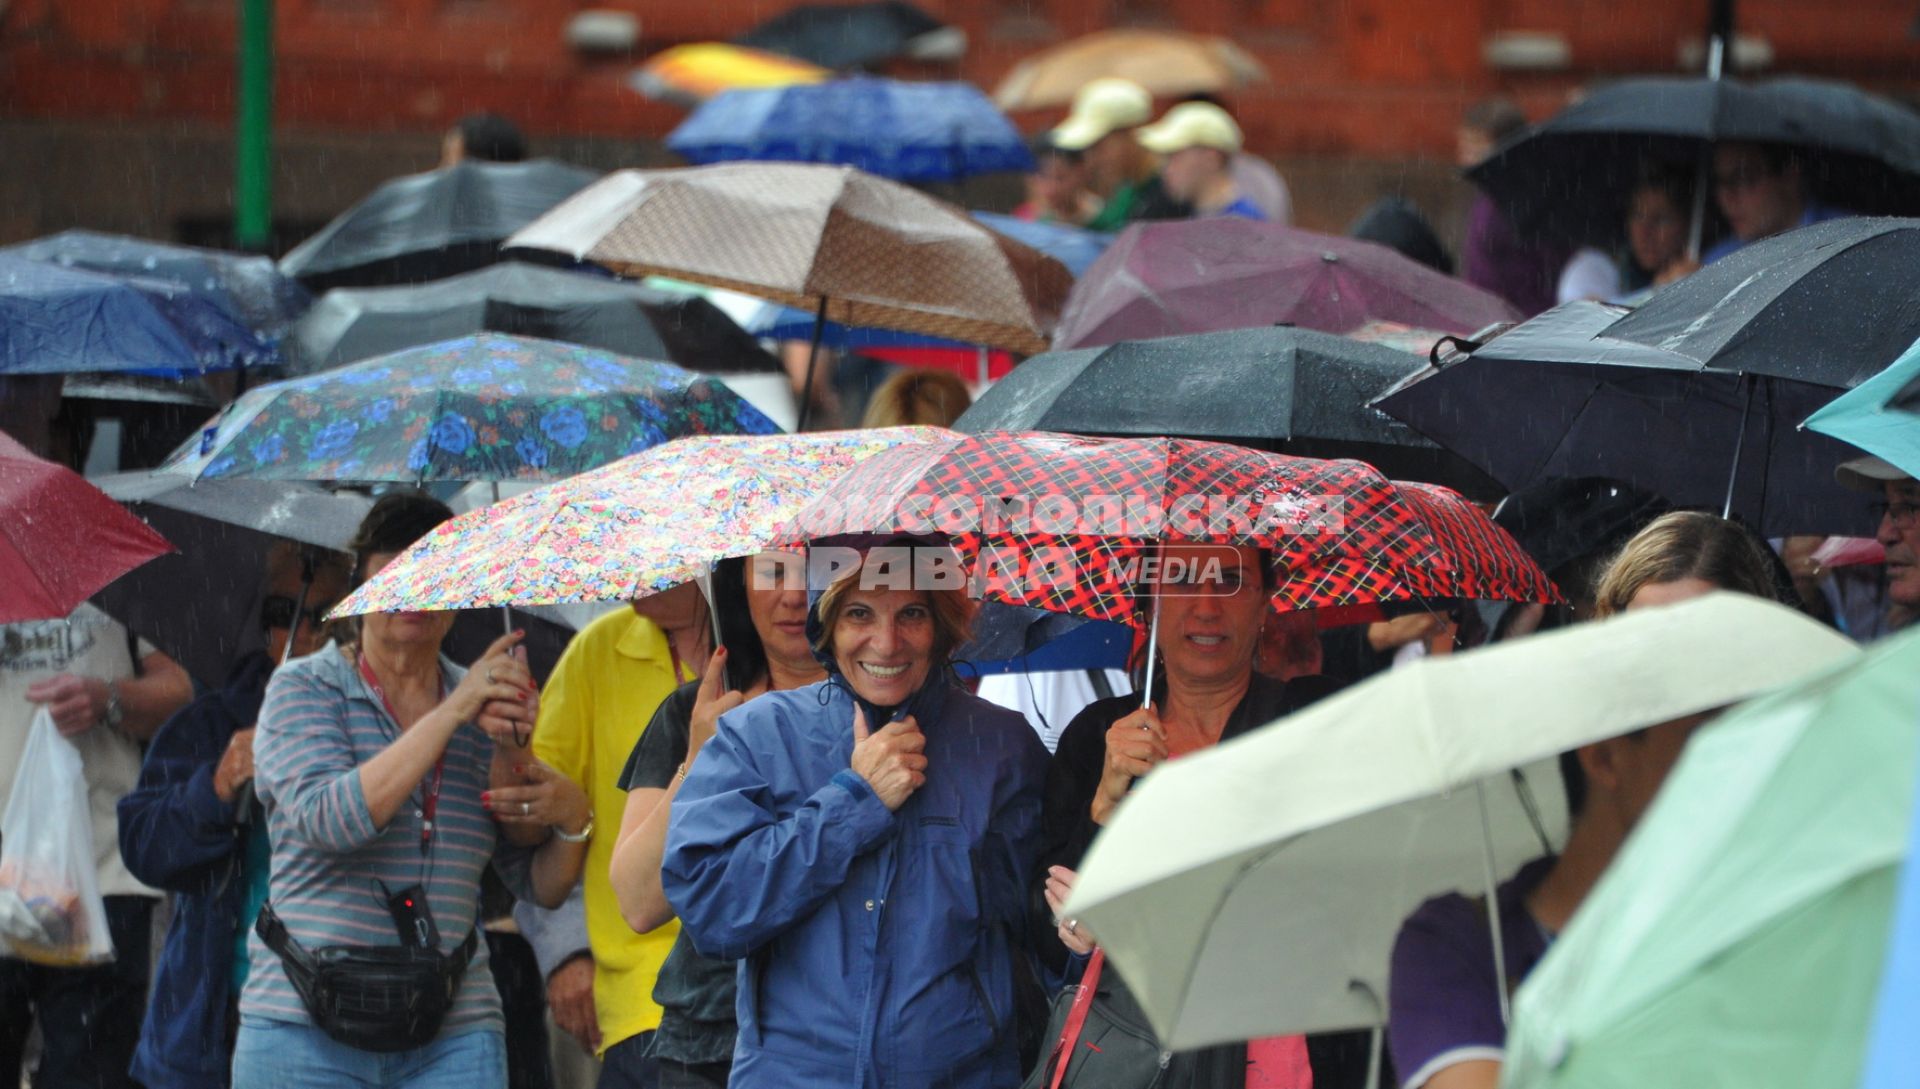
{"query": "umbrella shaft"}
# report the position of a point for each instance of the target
(813, 360)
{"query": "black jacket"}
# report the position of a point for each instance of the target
(1067, 830)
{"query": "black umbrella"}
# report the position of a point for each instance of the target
(1832, 304)
(351, 324)
(246, 287)
(426, 226)
(201, 605)
(1555, 397)
(844, 36)
(1572, 174)
(1295, 391)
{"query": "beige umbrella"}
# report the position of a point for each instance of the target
(1167, 63)
(1255, 889)
(853, 248)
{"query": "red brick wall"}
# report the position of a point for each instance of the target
(1373, 78)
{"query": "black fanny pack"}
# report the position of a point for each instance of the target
(375, 998)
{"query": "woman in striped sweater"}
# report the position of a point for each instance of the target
(386, 791)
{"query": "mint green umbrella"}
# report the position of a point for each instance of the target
(1738, 938)
(1881, 415)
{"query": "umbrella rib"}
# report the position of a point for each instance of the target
(1585, 403)
(1213, 916)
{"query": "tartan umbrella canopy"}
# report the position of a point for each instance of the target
(1067, 523)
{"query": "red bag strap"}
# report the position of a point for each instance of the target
(1077, 1017)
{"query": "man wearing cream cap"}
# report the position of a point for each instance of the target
(1101, 127)
(1199, 141)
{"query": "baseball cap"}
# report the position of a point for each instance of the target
(1101, 107)
(1868, 474)
(1192, 124)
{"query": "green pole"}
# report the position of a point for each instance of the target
(253, 135)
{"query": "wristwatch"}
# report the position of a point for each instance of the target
(581, 836)
(115, 713)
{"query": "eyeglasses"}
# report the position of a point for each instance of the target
(1904, 515)
(278, 612)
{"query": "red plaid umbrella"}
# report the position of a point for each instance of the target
(61, 538)
(1068, 523)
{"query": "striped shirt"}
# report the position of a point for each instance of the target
(320, 722)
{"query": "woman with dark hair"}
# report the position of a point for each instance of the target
(761, 607)
(1657, 216)
(373, 763)
(860, 844)
(191, 827)
(1206, 690)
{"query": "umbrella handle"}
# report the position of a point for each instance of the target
(1493, 905)
(1153, 630)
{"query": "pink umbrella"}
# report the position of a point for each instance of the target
(1204, 275)
(61, 538)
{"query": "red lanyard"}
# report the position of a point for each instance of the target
(431, 804)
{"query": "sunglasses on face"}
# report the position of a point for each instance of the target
(1903, 515)
(278, 612)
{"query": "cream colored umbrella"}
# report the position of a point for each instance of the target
(1255, 889)
(1167, 63)
(851, 247)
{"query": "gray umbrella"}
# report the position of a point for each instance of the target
(201, 605)
(426, 226)
(1294, 391)
(351, 324)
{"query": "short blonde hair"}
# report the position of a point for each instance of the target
(1687, 544)
(928, 398)
(952, 615)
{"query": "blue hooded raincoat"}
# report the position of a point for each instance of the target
(877, 948)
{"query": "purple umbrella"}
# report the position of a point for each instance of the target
(1206, 275)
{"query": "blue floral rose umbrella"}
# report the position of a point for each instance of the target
(482, 408)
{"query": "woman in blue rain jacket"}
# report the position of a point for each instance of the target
(861, 846)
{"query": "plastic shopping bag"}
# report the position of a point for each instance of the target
(50, 906)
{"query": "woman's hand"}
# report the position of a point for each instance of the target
(235, 769)
(500, 685)
(889, 759)
(549, 799)
(1074, 936)
(1135, 744)
(713, 700)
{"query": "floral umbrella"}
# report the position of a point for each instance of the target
(639, 525)
(487, 407)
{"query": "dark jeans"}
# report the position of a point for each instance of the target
(523, 999)
(630, 1064)
(678, 1075)
(89, 1017)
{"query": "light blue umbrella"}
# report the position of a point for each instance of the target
(1881, 415)
(913, 132)
(1894, 1051)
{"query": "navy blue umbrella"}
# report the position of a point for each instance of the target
(57, 320)
(247, 287)
(912, 132)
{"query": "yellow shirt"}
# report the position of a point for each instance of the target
(593, 709)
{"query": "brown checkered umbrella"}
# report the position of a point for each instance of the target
(875, 252)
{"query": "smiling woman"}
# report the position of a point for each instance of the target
(862, 843)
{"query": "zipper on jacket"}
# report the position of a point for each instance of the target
(980, 991)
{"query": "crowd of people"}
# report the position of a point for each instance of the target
(771, 832)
